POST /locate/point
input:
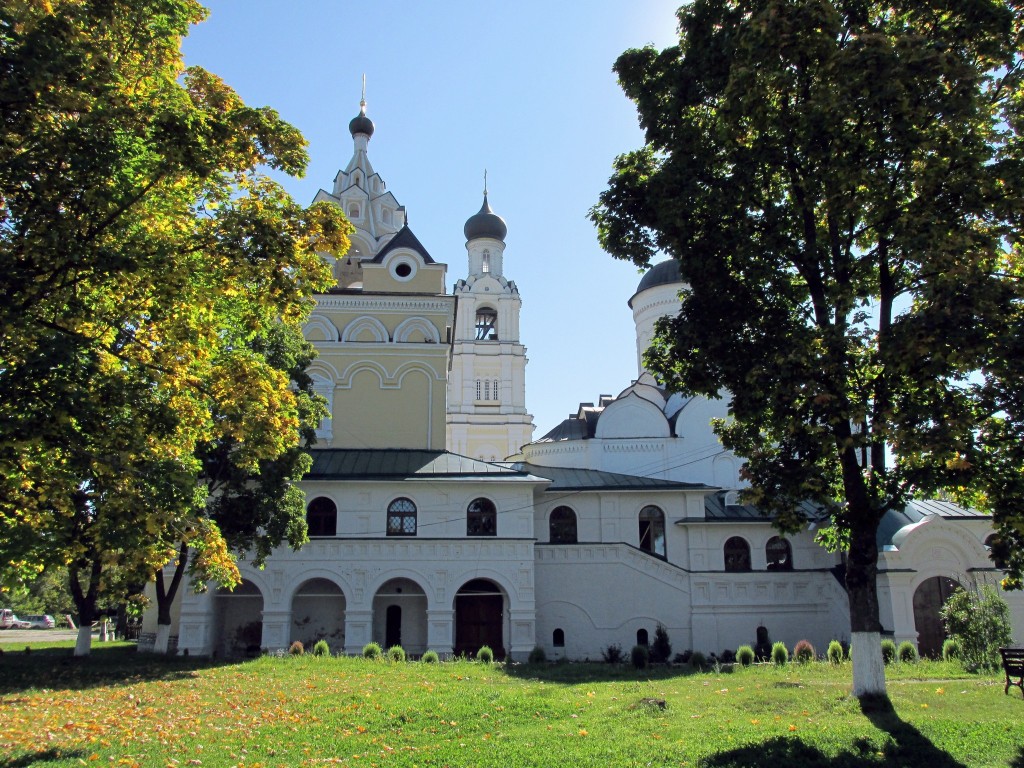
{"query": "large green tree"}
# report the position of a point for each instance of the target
(841, 185)
(146, 263)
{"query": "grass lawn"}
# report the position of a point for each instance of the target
(119, 708)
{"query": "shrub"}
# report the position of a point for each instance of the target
(728, 656)
(396, 653)
(780, 654)
(888, 651)
(321, 648)
(537, 655)
(485, 655)
(296, 649)
(803, 651)
(430, 657)
(661, 648)
(980, 623)
(639, 656)
(835, 652)
(613, 654)
(950, 649)
(683, 658)
(745, 655)
(372, 651)
(698, 660)
(907, 652)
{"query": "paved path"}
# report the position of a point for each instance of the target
(29, 636)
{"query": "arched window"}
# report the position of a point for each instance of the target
(652, 531)
(642, 637)
(779, 554)
(353, 211)
(487, 389)
(486, 267)
(478, 389)
(481, 518)
(401, 518)
(322, 517)
(486, 324)
(562, 526)
(558, 638)
(737, 555)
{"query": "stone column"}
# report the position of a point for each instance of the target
(358, 630)
(522, 627)
(276, 630)
(441, 631)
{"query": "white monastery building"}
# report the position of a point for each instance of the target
(437, 522)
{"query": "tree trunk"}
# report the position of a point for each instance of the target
(163, 638)
(83, 644)
(165, 594)
(865, 624)
(85, 604)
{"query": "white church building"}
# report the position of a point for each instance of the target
(436, 521)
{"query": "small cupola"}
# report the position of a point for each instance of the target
(485, 223)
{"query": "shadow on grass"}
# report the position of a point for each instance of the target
(42, 758)
(911, 748)
(57, 669)
(575, 672)
(1018, 761)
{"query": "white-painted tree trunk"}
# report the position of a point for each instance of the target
(103, 631)
(83, 645)
(163, 638)
(868, 666)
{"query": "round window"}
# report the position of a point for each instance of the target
(403, 270)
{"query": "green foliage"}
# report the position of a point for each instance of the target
(980, 624)
(396, 653)
(780, 654)
(661, 648)
(321, 648)
(613, 654)
(852, 177)
(296, 648)
(906, 652)
(430, 657)
(698, 660)
(745, 655)
(888, 651)
(950, 649)
(485, 655)
(537, 655)
(803, 652)
(639, 656)
(373, 652)
(835, 652)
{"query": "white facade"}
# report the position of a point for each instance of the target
(623, 517)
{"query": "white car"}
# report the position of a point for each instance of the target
(9, 621)
(40, 621)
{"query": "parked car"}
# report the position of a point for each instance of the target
(41, 621)
(9, 621)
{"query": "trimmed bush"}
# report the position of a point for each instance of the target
(980, 622)
(950, 649)
(396, 653)
(745, 655)
(430, 657)
(296, 649)
(485, 655)
(906, 652)
(661, 648)
(537, 655)
(780, 654)
(698, 660)
(613, 654)
(372, 651)
(639, 656)
(321, 648)
(835, 652)
(888, 651)
(803, 652)
(728, 656)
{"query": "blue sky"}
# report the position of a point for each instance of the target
(523, 89)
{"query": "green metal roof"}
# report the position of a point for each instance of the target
(401, 464)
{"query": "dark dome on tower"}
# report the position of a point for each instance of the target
(361, 124)
(485, 223)
(662, 273)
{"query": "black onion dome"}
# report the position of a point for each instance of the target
(662, 273)
(485, 223)
(361, 124)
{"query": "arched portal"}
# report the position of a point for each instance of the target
(929, 598)
(400, 615)
(238, 627)
(318, 613)
(479, 618)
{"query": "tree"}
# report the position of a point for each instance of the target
(148, 263)
(841, 185)
(980, 623)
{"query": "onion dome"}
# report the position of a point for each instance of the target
(485, 223)
(361, 123)
(662, 273)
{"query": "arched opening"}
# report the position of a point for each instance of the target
(400, 615)
(562, 526)
(558, 638)
(318, 613)
(401, 518)
(479, 618)
(322, 517)
(642, 638)
(652, 531)
(486, 324)
(929, 598)
(239, 623)
(481, 518)
(737, 555)
(779, 554)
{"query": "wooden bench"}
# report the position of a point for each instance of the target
(1013, 666)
